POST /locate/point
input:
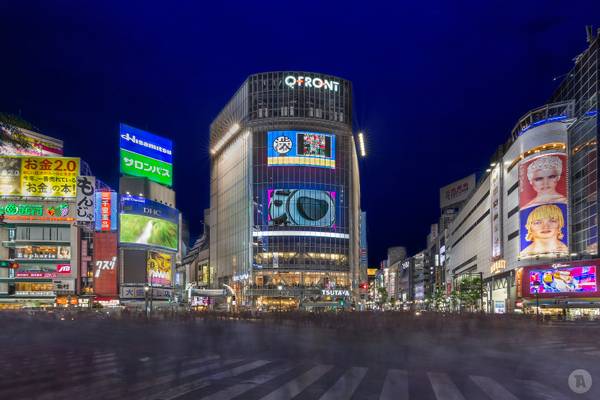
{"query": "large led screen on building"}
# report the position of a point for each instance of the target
(301, 207)
(146, 155)
(39, 176)
(148, 223)
(313, 149)
(563, 280)
(159, 268)
(543, 206)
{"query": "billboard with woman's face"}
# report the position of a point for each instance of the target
(543, 180)
(543, 206)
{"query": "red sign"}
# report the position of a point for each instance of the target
(63, 268)
(105, 264)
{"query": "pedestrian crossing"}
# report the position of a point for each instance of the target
(573, 347)
(110, 375)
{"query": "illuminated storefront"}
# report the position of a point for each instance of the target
(285, 192)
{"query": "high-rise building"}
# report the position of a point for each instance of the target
(285, 198)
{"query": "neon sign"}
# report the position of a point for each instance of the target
(307, 81)
(35, 211)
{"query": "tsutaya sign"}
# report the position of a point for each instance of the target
(335, 292)
(309, 81)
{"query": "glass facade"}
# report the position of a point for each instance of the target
(284, 182)
(581, 86)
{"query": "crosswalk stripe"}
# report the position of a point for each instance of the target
(201, 383)
(592, 353)
(579, 348)
(395, 385)
(297, 385)
(346, 385)
(545, 392)
(111, 380)
(443, 387)
(49, 376)
(241, 388)
(164, 379)
(492, 388)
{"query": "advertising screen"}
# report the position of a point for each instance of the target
(563, 280)
(148, 223)
(43, 270)
(301, 207)
(146, 155)
(159, 268)
(543, 206)
(301, 148)
(39, 176)
(105, 263)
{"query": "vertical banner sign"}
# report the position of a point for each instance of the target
(86, 188)
(496, 211)
(105, 263)
(543, 203)
(106, 211)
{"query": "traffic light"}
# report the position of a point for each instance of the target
(342, 302)
(14, 265)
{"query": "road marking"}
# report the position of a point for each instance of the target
(241, 388)
(580, 348)
(395, 385)
(592, 353)
(492, 388)
(443, 387)
(346, 385)
(149, 377)
(295, 386)
(201, 383)
(545, 392)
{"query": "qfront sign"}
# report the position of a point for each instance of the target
(293, 81)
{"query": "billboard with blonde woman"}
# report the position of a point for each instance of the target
(543, 206)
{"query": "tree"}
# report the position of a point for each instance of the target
(438, 299)
(383, 296)
(469, 291)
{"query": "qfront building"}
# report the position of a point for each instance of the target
(284, 206)
(530, 228)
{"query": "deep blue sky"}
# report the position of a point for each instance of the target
(437, 87)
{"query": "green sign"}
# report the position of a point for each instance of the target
(22, 209)
(153, 169)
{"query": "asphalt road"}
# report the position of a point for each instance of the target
(85, 358)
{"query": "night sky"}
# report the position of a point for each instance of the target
(436, 87)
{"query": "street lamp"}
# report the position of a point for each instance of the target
(537, 284)
(280, 288)
(146, 289)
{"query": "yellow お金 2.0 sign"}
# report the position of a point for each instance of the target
(39, 176)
